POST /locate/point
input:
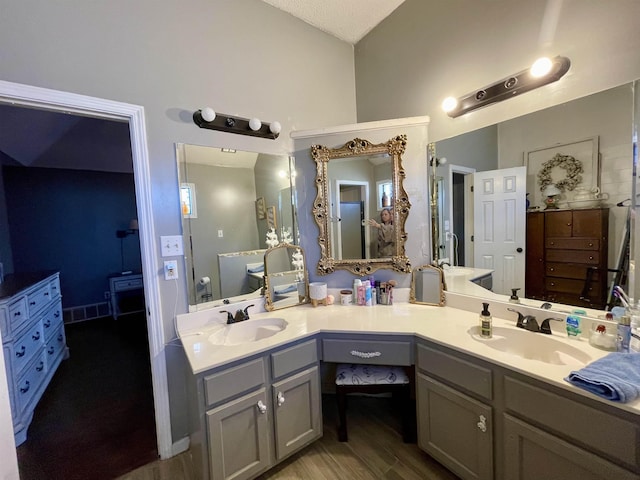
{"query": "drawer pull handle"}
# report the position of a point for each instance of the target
(60, 338)
(21, 352)
(17, 314)
(46, 294)
(32, 303)
(47, 323)
(36, 337)
(40, 367)
(262, 408)
(57, 314)
(482, 424)
(280, 399)
(51, 350)
(356, 353)
(25, 389)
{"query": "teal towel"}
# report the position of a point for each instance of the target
(615, 377)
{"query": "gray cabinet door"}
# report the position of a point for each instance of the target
(455, 429)
(239, 437)
(531, 454)
(297, 406)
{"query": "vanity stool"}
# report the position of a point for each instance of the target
(373, 379)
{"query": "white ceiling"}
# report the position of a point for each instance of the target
(348, 20)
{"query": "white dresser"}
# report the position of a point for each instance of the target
(33, 340)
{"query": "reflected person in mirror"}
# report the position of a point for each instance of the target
(386, 238)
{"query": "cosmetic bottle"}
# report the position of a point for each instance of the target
(514, 296)
(624, 334)
(486, 327)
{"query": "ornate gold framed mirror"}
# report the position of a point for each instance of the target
(427, 286)
(361, 206)
(286, 280)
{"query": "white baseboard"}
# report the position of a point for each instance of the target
(180, 446)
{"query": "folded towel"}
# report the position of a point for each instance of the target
(615, 377)
(289, 289)
(256, 269)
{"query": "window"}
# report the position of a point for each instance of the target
(188, 200)
(385, 194)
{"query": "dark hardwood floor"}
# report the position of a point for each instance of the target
(96, 418)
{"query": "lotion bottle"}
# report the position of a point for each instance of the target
(486, 327)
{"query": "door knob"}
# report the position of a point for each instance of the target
(519, 249)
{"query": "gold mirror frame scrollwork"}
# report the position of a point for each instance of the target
(322, 155)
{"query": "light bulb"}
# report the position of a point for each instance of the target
(207, 114)
(449, 103)
(255, 124)
(442, 161)
(541, 67)
(275, 128)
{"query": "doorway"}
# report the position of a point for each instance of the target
(134, 115)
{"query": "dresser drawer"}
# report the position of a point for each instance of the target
(30, 382)
(608, 434)
(294, 358)
(567, 285)
(55, 346)
(26, 347)
(127, 284)
(364, 351)
(16, 315)
(571, 270)
(573, 243)
(51, 320)
(459, 372)
(234, 381)
(38, 299)
(573, 256)
(54, 286)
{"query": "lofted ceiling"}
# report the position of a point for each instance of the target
(41, 138)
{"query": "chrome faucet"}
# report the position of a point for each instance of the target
(241, 315)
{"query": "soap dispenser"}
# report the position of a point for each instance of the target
(486, 327)
(514, 296)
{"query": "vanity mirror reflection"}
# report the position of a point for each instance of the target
(597, 127)
(286, 278)
(225, 196)
(361, 206)
(427, 286)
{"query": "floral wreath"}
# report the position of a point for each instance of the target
(570, 164)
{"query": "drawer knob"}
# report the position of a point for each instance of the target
(51, 350)
(482, 423)
(356, 353)
(280, 399)
(40, 367)
(21, 352)
(591, 244)
(262, 408)
(47, 323)
(590, 257)
(25, 389)
(36, 337)
(552, 269)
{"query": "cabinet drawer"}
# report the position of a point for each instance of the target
(571, 270)
(294, 358)
(26, 347)
(595, 429)
(567, 285)
(573, 256)
(51, 320)
(469, 376)
(573, 243)
(37, 299)
(234, 381)
(363, 351)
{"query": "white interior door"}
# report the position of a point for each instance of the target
(499, 219)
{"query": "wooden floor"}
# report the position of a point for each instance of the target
(374, 451)
(96, 419)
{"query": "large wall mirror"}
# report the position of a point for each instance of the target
(361, 206)
(235, 205)
(595, 129)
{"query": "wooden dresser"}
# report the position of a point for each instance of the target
(33, 341)
(567, 256)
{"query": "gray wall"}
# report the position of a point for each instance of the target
(240, 57)
(428, 50)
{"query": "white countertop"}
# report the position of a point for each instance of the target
(443, 325)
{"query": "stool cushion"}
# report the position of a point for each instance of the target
(348, 374)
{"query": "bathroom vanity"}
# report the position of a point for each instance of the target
(484, 411)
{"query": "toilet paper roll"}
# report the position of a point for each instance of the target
(205, 281)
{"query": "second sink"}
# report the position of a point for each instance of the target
(532, 346)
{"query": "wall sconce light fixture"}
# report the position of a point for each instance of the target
(208, 118)
(542, 72)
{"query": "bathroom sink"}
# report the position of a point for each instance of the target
(455, 271)
(247, 331)
(532, 346)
